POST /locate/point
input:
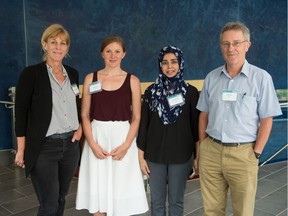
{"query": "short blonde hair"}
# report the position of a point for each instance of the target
(53, 31)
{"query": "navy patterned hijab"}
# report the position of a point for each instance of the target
(156, 95)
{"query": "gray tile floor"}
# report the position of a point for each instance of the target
(17, 196)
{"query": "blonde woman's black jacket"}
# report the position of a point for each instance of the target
(33, 108)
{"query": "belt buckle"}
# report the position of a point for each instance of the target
(231, 144)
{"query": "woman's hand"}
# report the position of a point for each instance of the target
(143, 163)
(99, 152)
(144, 167)
(19, 159)
(119, 152)
(77, 135)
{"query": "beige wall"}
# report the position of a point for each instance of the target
(197, 83)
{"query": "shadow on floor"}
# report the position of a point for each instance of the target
(17, 195)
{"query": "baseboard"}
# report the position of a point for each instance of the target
(7, 157)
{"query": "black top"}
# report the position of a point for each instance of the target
(33, 108)
(114, 105)
(174, 143)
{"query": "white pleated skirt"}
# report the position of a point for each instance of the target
(111, 186)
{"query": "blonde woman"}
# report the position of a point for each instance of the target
(48, 126)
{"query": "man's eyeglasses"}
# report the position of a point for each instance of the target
(227, 44)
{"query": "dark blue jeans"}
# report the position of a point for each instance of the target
(176, 175)
(52, 174)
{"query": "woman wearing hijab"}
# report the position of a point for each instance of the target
(168, 133)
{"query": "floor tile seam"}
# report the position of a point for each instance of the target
(271, 181)
(17, 190)
(282, 212)
(283, 164)
(6, 209)
(14, 190)
(15, 179)
(265, 211)
(186, 213)
(275, 164)
(7, 167)
(23, 210)
(192, 192)
(272, 173)
(5, 173)
(260, 198)
(19, 199)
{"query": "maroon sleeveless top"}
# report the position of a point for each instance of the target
(112, 105)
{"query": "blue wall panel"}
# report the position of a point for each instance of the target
(277, 140)
(146, 26)
(12, 60)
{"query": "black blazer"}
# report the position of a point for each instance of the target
(33, 108)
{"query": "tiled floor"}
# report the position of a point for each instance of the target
(17, 196)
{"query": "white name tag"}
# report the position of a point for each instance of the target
(229, 95)
(95, 87)
(75, 89)
(175, 100)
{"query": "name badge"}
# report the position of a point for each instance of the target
(75, 89)
(95, 87)
(229, 95)
(175, 100)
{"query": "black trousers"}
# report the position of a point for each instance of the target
(52, 174)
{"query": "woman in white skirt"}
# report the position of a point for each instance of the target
(110, 181)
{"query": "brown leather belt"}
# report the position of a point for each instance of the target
(228, 144)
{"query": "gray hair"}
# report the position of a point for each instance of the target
(236, 26)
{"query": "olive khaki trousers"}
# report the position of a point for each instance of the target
(227, 167)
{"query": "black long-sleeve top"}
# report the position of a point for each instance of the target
(33, 108)
(172, 143)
